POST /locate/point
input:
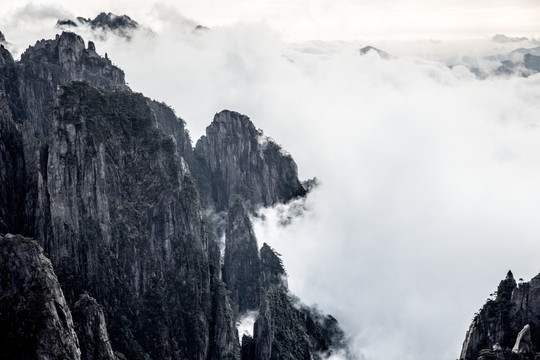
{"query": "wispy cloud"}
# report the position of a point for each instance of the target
(501, 38)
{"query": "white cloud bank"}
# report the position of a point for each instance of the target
(429, 178)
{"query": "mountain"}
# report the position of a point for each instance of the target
(121, 25)
(532, 62)
(382, 54)
(508, 325)
(121, 222)
(523, 62)
(523, 51)
(36, 320)
(234, 158)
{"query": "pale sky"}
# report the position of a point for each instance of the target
(337, 19)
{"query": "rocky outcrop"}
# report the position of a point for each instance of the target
(509, 323)
(110, 21)
(382, 54)
(51, 63)
(248, 272)
(241, 265)
(173, 125)
(272, 270)
(109, 197)
(284, 331)
(2, 38)
(234, 158)
(107, 183)
(121, 25)
(91, 330)
(35, 321)
(139, 232)
(523, 345)
(18, 155)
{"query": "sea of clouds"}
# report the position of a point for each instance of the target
(429, 178)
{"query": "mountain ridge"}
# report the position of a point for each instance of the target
(108, 183)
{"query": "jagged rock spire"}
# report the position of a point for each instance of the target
(234, 158)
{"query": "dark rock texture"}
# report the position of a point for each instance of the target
(111, 201)
(111, 21)
(121, 25)
(173, 125)
(35, 320)
(51, 63)
(108, 184)
(234, 158)
(508, 325)
(139, 232)
(248, 272)
(241, 266)
(91, 330)
(272, 270)
(284, 331)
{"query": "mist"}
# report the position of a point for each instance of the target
(428, 176)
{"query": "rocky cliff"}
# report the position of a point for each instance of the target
(108, 184)
(508, 325)
(121, 25)
(234, 158)
(36, 320)
(91, 329)
(287, 330)
(51, 63)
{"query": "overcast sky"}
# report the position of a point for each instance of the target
(338, 19)
(429, 177)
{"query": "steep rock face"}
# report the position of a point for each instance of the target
(51, 63)
(248, 272)
(35, 321)
(272, 270)
(172, 125)
(510, 321)
(12, 172)
(91, 330)
(234, 158)
(110, 199)
(283, 331)
(241, 266)
(102, 178)
(238, 169)
(224, 340)
(126, 227)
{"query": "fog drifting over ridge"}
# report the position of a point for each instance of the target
(429, 177)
